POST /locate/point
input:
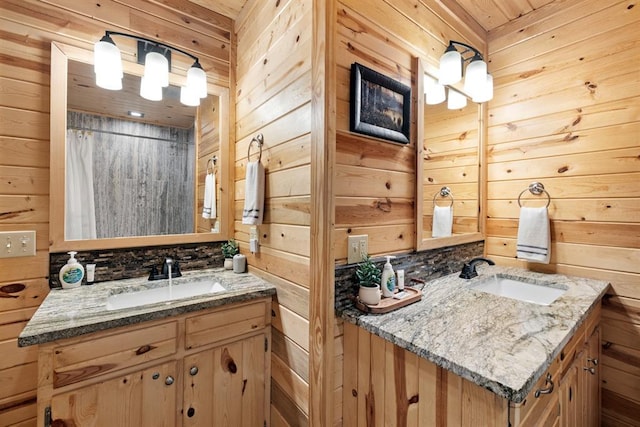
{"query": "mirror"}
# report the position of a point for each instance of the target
(448, 169)
(142, 181)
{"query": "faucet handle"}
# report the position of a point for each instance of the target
(154, 273)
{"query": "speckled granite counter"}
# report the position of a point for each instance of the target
(502, 344)
(72, 312)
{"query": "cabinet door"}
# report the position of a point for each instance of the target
(569, 394)
(144, 398)
(591, 381)
(225, 386)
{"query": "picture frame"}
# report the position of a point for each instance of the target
(380, 106)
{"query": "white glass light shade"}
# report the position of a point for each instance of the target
(433, 91)
(450, 68)
(156, 69)
(456, 100)
(107, 64)
(150, 89)
(486, 91)
(189, 97)
(109, 81)
(197, 80)
(475, 77)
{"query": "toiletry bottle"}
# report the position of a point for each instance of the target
(400, 274)
(388, 282)
(71, 273)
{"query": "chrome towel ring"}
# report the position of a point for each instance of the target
(535, 188)
(258, 139)
(444, 192)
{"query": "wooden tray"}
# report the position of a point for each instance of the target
(389, 304)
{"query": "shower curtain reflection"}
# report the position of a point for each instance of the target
(79, 198)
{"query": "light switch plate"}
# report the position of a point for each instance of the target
(15, 244)
(357, 248)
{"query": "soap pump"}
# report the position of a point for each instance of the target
(388, 282)
(71, 273)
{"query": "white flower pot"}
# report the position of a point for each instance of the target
(369, 295)
(228, 263)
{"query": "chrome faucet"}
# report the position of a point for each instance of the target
(469, 268)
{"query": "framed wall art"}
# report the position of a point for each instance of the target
(380, 106)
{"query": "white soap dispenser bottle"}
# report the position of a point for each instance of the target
(388, 282)
(71, 273)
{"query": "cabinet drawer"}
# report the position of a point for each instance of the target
(530, 411)
(227, 323)
(104, 353)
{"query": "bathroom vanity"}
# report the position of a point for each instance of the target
(198, 361)
(466, 357)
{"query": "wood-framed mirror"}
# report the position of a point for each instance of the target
(189, 154)
(449, 155)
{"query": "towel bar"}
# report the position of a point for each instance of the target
(444, 192)
(535, 188)
(259, 139)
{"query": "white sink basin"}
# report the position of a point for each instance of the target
(519, 289)
(163, 294)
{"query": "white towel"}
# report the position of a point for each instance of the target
(209, 208)
(534, 235)
(253, 194)
(442, 221)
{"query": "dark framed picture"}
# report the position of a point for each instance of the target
(380, 106)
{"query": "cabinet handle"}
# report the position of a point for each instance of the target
(193, 371)
(594, 361)
(169, 380)
(155, 376)
(547, 390)
(592, 371)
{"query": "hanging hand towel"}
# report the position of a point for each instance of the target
(253, 194)
(209, 208)
(534, 235)
(442, 221)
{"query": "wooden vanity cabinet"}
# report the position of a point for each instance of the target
(384, 384)
(205, 368)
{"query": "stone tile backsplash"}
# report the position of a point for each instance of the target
(128, 263)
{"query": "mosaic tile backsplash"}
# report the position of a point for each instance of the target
(425, 265)
(128, 263)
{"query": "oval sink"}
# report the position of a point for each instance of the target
(519, 289)
(163, 294)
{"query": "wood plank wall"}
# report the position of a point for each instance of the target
(27, 29)
(566, 112)
(375, 180)
(273, 97)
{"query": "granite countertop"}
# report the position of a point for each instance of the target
(67, 313)
(502, 344)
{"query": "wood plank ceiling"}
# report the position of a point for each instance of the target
(489, 13)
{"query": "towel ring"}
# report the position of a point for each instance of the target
(259, 139)
(444, 192)
(212, 161)
(535, 188)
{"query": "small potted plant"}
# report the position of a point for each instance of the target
(229, 249)
(368, 277)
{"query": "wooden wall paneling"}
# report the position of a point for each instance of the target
(567, 111)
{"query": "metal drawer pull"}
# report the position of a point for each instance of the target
(169, 380)
(594, 361)
(156, 375)
(592, 371)
(193, 371)
(547, 390)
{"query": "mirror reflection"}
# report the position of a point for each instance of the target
(130, 162)
(450, 138)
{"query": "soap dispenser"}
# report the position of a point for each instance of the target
(388, 282)
(71, 273)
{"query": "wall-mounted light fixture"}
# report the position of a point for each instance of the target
(478, 84)
(156, 57)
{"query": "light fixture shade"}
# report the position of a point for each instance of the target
(475, 76)
(150, 89)
(450, 67)
(456, 100)
(107, 64)
(197, 80)
(156, 69)
(486, 91)
(189, 97)
(435, 94)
